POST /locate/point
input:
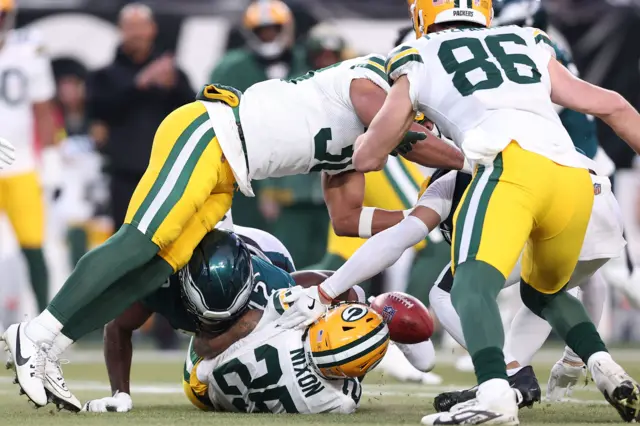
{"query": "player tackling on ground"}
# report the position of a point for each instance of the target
(491, 90)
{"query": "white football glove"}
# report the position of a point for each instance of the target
(305, 307)
(120, 402)
(563, 379)
(7, 153)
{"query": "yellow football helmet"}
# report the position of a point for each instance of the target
(269, 13)
(7, 17)
(348, 341)
(424, 13)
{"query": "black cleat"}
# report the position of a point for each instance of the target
(626, 400)
(526, 382)
(446, 400)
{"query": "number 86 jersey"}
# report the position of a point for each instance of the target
(486, 87)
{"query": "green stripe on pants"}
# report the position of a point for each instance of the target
(406, 203)
(181, 183)
(476, 233)
(463, 208)
(406, 171)
(168, 164)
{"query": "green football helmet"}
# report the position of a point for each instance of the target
(218, 281)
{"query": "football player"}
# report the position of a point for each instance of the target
(202, 152)
(310, 371)
(26, 115)
(530, 185)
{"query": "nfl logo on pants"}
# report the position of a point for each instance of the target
(597, 188)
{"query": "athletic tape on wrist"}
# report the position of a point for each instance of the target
(366, 222)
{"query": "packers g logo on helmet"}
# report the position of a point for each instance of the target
(348, 341)
(424, 13)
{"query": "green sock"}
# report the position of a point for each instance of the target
(38, 275)
(77, 241)
(567, 317)
(118, 297)
(125, 251)
(475, 288)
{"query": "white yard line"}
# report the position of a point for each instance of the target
(373, 391)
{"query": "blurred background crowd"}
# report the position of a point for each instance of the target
(121, 67)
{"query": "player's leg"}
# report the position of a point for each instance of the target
(491, 226)
(25, 209)
(186, 166)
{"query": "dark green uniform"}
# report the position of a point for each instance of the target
(167, 300)
(580, 127)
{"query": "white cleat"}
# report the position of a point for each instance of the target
(28, 359)
(563, 378)
(618, 388)
(502, 411)
(56, 388)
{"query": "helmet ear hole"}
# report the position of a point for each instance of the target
(347, 328)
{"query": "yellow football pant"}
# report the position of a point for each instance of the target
(21, 199)
(525, 200)
(187, 187)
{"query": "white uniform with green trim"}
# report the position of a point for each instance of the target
(485, 87)
(319, 105)
(268, 371)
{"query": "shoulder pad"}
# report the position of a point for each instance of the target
(400, 56)
(375, 63)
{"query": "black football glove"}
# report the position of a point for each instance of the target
(406, 145)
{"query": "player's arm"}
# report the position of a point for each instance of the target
(118, 350)
(207, 346)
(385, 248)
(43, 113)
(368, 98)
(378, 253)
(117, 354)
(344, 196)
(386, 130)
(576, 94)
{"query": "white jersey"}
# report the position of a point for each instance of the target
(268, 371)
(25, 78)
(485, 87)
(306, 124)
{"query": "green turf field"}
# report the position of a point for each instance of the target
(158, 398)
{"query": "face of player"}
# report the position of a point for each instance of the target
(138, 34)
(268, 33)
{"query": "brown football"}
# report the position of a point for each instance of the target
(407, 318)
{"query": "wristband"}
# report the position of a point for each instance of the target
(366, 222)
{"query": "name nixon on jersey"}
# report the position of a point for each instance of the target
(309, 383)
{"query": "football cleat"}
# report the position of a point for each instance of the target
(503, 411)
(618, 388)
(57, 390)
(563, 378)
(524, 382)
(29, 360)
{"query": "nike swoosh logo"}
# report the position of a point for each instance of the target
(20, 361)
(312, 305)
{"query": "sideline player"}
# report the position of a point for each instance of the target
(530, 184)
(26, 115)
(201, 152)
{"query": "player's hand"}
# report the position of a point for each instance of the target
(563, 379)
(120, 402)
(407, 143)
(7, 153)
(305, 307)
